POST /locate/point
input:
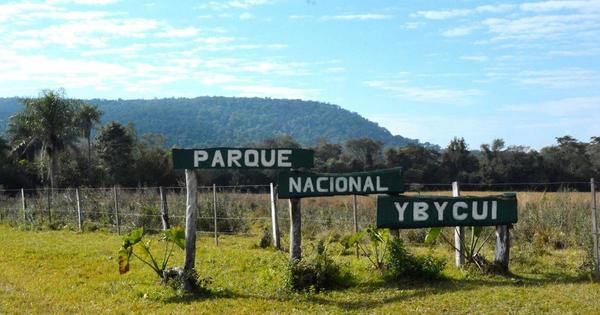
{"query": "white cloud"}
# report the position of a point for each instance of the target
(477, 58)
(360, 17)
(544, 27)
(179, 32)
(459, 31)
(544, 6)
(233, 4)
(429, 94)
(246, 16)
(454, 13)
(566, 106)
(442, 14)
(83, 2)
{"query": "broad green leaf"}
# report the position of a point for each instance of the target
(176, 235)
(124, 255)
(134, 237)
(433, 234)
(356, 238)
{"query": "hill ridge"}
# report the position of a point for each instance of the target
(235, 121)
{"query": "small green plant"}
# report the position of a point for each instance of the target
(317, 272)
(133, 245)
(375, 248)
(265, 238)
(472, 246)
(403, 265)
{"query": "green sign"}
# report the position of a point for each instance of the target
(242, 158)
(404, 212)
(295, 184)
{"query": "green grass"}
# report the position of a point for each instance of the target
(68, 272)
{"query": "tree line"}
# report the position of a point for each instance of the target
(59, 142)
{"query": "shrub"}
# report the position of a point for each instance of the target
(403, 265)
(316, 273)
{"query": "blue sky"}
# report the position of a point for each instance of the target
(523, 71)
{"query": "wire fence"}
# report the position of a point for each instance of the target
(554, 214)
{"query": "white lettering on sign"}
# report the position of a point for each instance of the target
(341, 184)
(379, 186)
(218, 159)
(295, 184)
(455, 208)
(251, 158)
(338, 184)
(308, 186)
(401, 209)
(233, 156)
(354, 183)
(283, 158)
(200, 156)
(494, 210)
(440, 209)
(420, 211)
(319, 187)
(480, 215)
(263, 158)
(368, 184)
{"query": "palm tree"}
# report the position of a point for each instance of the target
(87, 117)
(45, 125)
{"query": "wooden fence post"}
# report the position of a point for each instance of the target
(164, 209)
(116, 210)
(24, 205)
(595, 230)
(295, 230)
(274, 221)
(79, 216)
(502, 252)
(355, 217)
(191, 217)
(215, 214)
(459, 234)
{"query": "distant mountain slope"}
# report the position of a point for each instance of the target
(232, 121)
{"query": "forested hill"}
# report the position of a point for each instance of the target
(233, 121)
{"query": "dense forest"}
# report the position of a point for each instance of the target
(232, 121)
(58, 142)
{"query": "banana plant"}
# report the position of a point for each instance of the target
(133, 245)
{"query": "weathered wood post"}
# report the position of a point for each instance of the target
(501, 255)
(164, 209)
(274, 221)
(595, 230)
(215, 214)
(295, 230)
(118, 223)
(459, 234)
(24, 205)
(191, 216)
(355, 217)
(79, 216)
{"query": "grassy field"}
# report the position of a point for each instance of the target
(68, 272)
